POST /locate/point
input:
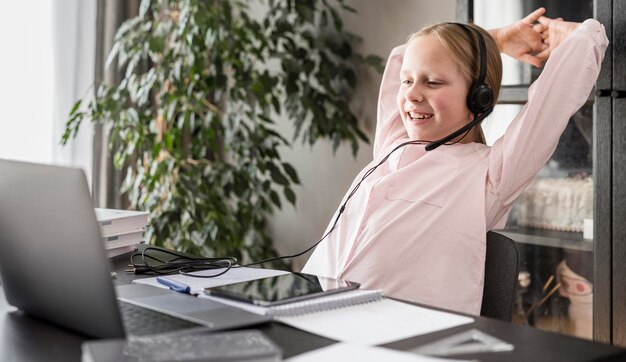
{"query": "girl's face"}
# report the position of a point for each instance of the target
(432, 96)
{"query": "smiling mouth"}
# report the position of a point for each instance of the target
(419, 116)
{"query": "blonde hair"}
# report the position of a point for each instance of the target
(464, 50)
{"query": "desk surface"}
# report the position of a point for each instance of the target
(25, 338)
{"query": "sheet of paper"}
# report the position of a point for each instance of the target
(346, 352)
(234, 275)
(375, 323)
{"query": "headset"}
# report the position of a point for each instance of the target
(480, 101)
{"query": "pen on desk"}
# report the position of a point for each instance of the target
(174, 285)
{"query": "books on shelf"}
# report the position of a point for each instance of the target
(116, 222)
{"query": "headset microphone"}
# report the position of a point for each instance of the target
(480, 97)
(477, 119)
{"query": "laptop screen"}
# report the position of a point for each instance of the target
(53, 263)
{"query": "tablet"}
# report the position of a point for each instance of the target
(281, 289)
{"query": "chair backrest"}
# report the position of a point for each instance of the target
(501, 273)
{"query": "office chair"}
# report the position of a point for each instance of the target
(501, 272)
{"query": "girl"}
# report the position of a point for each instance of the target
(417, 226)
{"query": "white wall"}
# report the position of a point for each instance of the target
(46, 66)
(326, 176)
(26, 76)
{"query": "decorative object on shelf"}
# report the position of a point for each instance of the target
(556, 204)
(192, 121)
(580, 293)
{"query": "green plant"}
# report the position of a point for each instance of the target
(191, 122)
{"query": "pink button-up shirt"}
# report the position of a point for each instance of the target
(416, 227)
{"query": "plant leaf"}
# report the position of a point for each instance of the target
(293, 175)
(276, 175)
(290, 195)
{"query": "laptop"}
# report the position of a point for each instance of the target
(54, 266)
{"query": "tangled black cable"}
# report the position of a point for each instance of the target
(181, 263)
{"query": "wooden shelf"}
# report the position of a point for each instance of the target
(551, 238)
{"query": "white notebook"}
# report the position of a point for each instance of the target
(319, 304)
(362, 317)
(115, 222)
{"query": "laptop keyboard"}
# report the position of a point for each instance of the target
(142, 321)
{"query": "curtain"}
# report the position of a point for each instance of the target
(106, 179)
(73, 44)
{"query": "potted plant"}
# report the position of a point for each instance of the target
(192, 120)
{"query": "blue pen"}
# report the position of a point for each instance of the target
(174, 285)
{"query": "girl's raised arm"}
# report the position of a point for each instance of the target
(561, 89)
(389, 125)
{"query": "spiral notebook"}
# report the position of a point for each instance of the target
(319, 304)
(359, 316)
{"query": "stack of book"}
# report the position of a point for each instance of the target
(121, 230)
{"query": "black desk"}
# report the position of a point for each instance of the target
(25, 338)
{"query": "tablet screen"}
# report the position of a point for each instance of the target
(282, 289)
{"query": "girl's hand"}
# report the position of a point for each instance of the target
(522, 39)
(556, 30)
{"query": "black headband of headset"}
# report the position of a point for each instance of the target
(482, 49)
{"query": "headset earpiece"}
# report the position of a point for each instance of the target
(479, 98)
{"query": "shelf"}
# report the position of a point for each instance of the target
(551, 238)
